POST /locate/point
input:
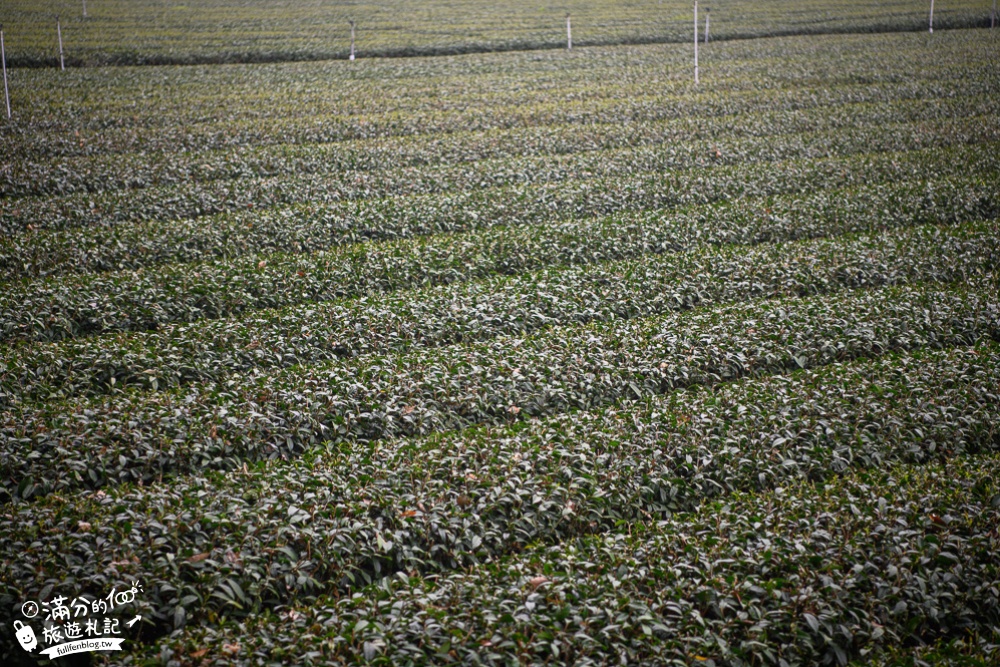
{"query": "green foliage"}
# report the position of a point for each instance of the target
(481, 197)
(521, 358)
(483, 309)
(121, 32)
(339, 520)
(221, 424)
(807, 573)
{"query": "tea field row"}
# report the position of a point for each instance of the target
(473, 97)
(75, 305)
(129, 33)
(143, 436)
(163, 110)
(786, 576)
(508, 358)
(111, 168)
(337, 520)
(312, 213)
(481, 309)
(201, 197)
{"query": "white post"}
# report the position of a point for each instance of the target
(352, 40)
(3, 57)
(696, 42)
(707, 11)
(84, 8)
(62, 62)
(569, 33)
(931, 25)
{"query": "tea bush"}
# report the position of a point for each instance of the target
(507, 358)
(348, 516)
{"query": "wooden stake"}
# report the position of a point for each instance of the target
(707, 10)
(696, 42)
(62, 62)
(931, 25)
(3, 57)
(569, 33)
(352, 40)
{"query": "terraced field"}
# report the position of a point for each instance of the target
(512, 358)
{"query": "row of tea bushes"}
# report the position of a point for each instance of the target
(111, 169)
(137, 436)
(416, 429)
(119, 32)
(75, 305)
(849, 569)
(324, 102)
(553, 183)
(179, 354)
(317, 226)
(343, 517)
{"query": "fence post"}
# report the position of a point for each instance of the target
(931, 24)
(707, 11)
(696, 42)
(569, 33)
(3, 57)
(352, 40)
(62, 62)
(84, 8)
(993, 15)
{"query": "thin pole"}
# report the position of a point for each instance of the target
(993, 15)
(932, 18)
(569, 33)
(3, 57)
(84, 8)
(352, 40)
(62, 62)
(696, 42)
(707, 11)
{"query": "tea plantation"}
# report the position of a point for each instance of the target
(143, 32)
(517, 355)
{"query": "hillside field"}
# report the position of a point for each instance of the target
(502, 353)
